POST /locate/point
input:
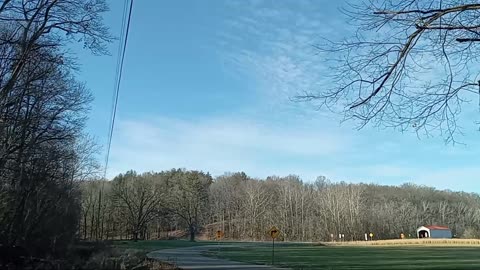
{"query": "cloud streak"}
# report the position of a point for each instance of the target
(274, 45)
(269, 49)
(262, 148)
(218, 145)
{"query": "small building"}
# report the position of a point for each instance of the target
(433, 231)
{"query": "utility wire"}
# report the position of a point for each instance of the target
(118, 77)
(119, 56)
(119, 71)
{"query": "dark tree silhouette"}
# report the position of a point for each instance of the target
(43, 151)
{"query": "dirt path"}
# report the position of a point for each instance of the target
(192, 258)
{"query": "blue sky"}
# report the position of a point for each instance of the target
(207, 87)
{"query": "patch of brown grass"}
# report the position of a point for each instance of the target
(157, 265)
(117, 259)
(410, 242)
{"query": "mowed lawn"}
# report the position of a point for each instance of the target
(302, 256)
(151, 245)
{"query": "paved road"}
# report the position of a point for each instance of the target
(191, 258)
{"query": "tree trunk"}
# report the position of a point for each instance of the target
(192, 232)
(92, 222)
(85, 227)
(135, 235)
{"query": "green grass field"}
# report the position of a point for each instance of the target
(158, 244)
(301, 256)
(310, 256)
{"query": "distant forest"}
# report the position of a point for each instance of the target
(149, 205)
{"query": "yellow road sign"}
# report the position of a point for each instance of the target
(274, 232)
(219, 234)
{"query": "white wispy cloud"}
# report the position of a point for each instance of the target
(260, 149)
(219, 145)
(273, 45)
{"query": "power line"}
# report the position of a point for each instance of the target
(115, 81)
(119, 71)
(119, 56)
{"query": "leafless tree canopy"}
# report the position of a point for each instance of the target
(245, 208)
(43, 108)
(409, 64)
(30, 26)
(144, 206)
(137, 199)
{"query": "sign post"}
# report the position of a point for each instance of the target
(274, 232)
(219, 235)
(273, 251)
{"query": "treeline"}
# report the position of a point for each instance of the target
(147, 206)
(143, 206)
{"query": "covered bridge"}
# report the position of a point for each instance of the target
(433, 231)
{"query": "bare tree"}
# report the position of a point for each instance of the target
(48, 23)
(43, 151)
(245, 207)
(38, 160)
(409, 64)
(255, 205)
(227, 195)
(138, 199)
(88, 208)
(189, 198)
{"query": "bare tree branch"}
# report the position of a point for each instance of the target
(408, 66)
